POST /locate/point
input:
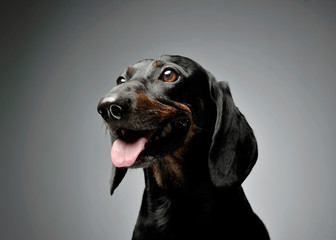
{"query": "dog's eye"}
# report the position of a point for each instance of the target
(121, 80)
(169, 75)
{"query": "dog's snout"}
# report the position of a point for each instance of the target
(120, 101)
(110, 111)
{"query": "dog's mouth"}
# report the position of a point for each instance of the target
(138, 148)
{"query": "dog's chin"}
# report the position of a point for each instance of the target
(145, 161)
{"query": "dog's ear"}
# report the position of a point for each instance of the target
(117, 176)
(233, 150)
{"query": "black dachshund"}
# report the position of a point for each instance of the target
(171, 117)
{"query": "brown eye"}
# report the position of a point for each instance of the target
(169, 75)
(120, 80)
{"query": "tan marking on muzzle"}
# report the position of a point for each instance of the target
(153, 109)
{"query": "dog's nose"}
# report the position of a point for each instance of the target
(110, 111)
(119, 102)
(116, 111)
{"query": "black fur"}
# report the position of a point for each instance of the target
(193, 175)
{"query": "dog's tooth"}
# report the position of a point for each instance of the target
(157, 138)
(168, 128)
(164, 133)
(122, 132)
(165, 129)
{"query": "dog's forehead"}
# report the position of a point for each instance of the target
(148, 66)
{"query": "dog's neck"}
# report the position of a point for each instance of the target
(180, 197)
(183, 169)
(190, 206)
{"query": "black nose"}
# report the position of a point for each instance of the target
(116, 111)
(110, 111)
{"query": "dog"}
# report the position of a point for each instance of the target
(172, 118)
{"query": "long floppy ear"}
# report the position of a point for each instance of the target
(233, 151)
(117, 174)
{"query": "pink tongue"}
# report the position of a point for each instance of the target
(124, 154)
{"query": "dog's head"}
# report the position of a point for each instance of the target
(159, 107)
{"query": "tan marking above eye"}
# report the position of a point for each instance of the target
(169, 75)
(157, 63)
(129, 70)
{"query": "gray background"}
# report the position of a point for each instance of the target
(58, 58)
